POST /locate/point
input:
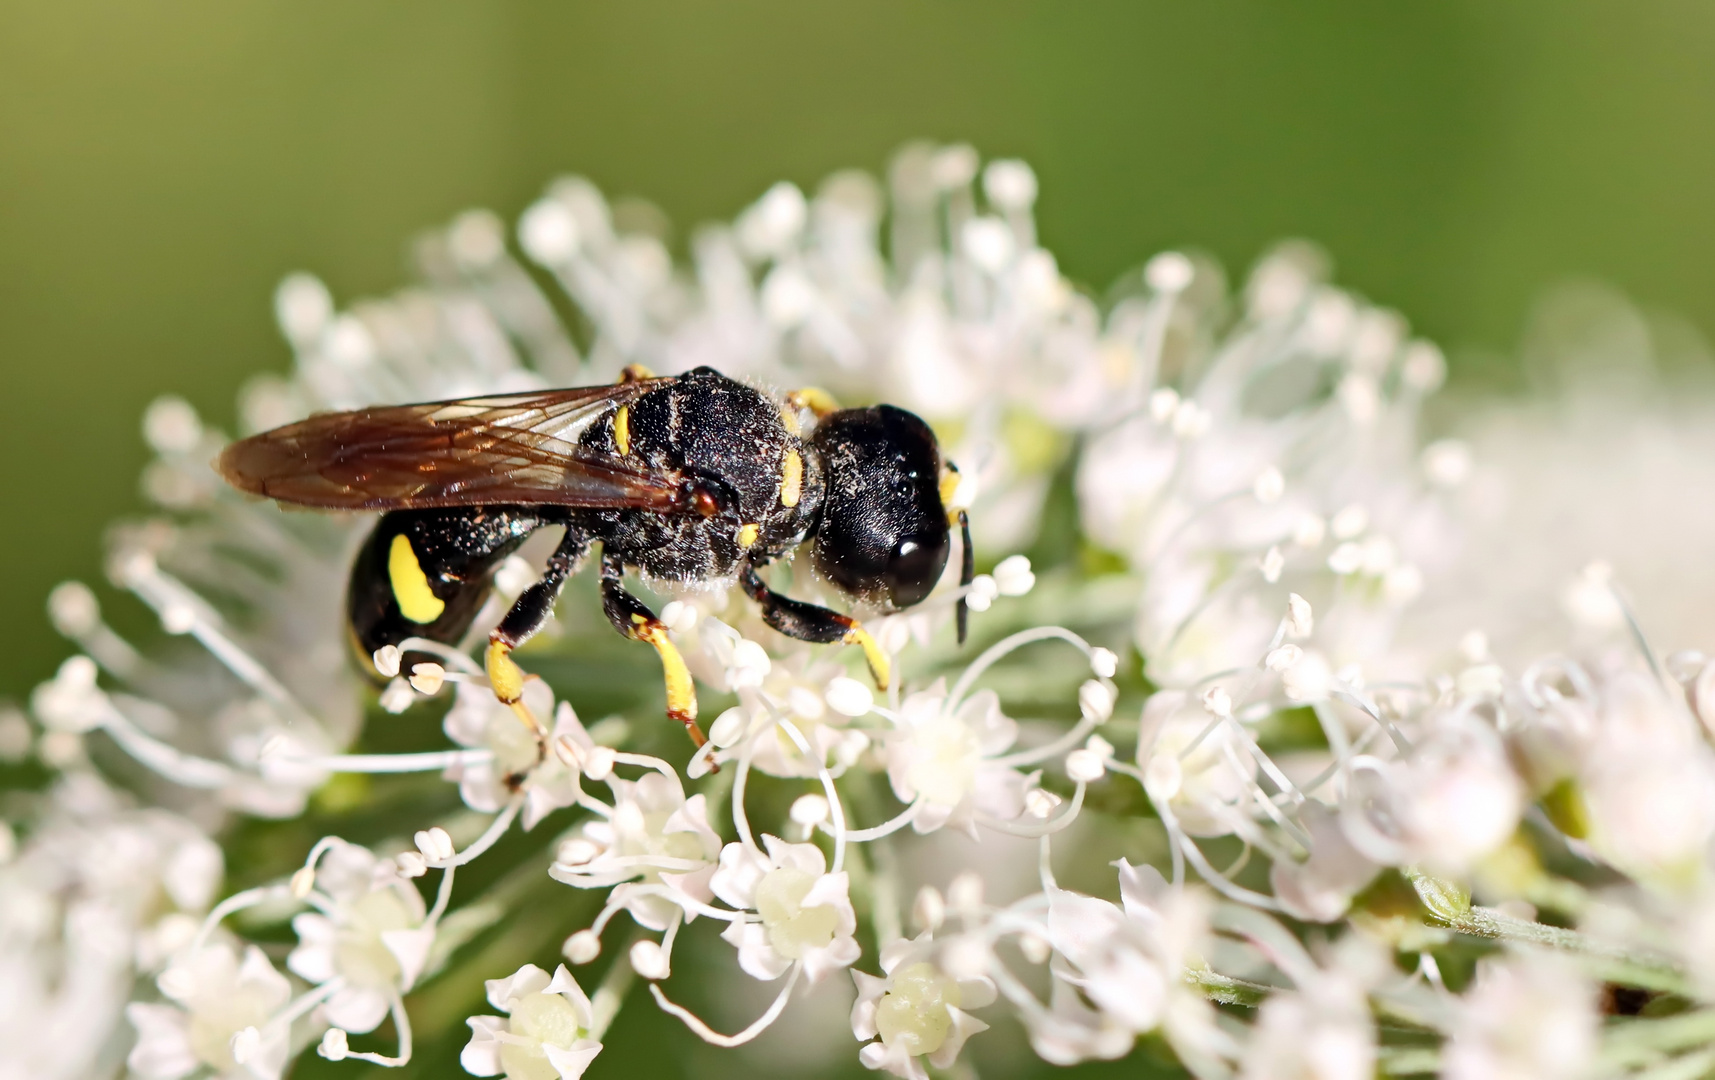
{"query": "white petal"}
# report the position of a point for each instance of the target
(830, 890)
(258, 972)
(840, 953)
(411, 949)
(481, 1056)
(964, 1026)
(528, 979)
(869, 988)
(1141, 887)
(356, 1009)
(163, 1050)
(977, 992)
(572, 1061)
(568, 988)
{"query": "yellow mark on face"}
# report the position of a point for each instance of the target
(622, 429)
(417, 601)
(791, 479)
(949, 485)
(747, 534)
(789, 417)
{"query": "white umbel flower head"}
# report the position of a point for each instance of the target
(544, 1034)
(369, 933)
(1528, 1015)
(655, 845)
(804, 915)
(938, 756)
(222, 1010)
(915, 1011)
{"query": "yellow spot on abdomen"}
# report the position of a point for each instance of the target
(747, 534)
(417, 601)
(622, 429)
(791, 479)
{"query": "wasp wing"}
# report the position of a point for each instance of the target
(511, 448)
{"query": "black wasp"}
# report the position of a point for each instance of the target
(688, 479)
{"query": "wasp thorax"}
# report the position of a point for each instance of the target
(883, 535)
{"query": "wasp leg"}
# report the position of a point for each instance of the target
(807, 622)
(527, 615)
(631, 617)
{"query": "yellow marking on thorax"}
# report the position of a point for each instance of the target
(789, 417)
(791, 479)
(417, 601)
(747, 534)
(814, 398)
(622, 429)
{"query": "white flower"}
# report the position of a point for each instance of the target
(917, 1010)
(1648, 783)
(1128, 960)
(939, 756)
(1454, 799)
(804, 914)
(1322, 1030)
(1205, 784)
(804, 688)
(217, 999)
(545, 1034)
(1320, 888)
(655, 840)
(96, 892)
(1527, 1015)
(549, 782)
(370, 934)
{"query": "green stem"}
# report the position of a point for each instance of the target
(1451, 907)
(610, 994)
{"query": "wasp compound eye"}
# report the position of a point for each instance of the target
(883, 535)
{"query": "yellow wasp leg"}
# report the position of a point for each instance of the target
(681, 692)
(880, 667)
(507, 678)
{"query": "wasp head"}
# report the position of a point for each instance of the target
(883, 532)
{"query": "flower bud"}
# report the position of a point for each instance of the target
(582, 947)
(599, 762)
(1013, 576)
(649, 959)
(435, 844)
(809, 810)
(386, 660)
(1085, 767)
(427, 678)
(1104, 662)
(334, 1045)
(1096, 699)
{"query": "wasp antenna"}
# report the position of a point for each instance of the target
(967, 572)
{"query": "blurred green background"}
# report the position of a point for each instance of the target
(162, 165)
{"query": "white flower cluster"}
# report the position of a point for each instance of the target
(1280, 795)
